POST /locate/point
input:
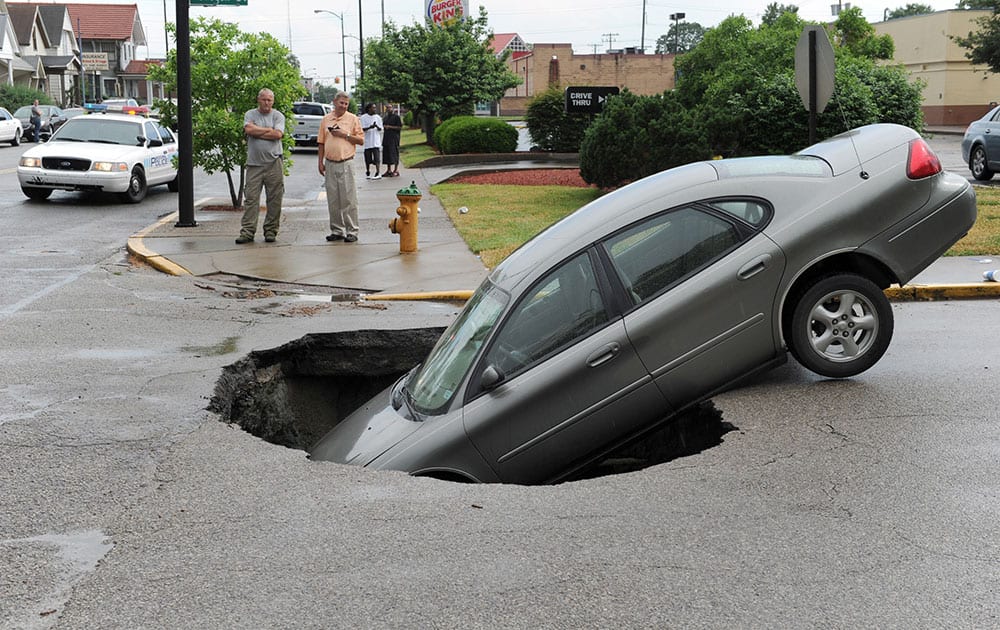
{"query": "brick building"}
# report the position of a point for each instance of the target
(545, 65)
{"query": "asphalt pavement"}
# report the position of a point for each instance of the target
(442, 267)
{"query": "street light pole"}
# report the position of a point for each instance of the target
(343, 44)
(677, 17)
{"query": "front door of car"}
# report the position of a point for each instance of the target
(159, 164)
(705, 292)
(570, 381)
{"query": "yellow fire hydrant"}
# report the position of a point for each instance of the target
(406, 224)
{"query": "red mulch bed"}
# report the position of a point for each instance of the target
(525, 177)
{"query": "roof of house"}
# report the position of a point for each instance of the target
(500, 41)
(22, 17)
(117, 22)
(141, 66)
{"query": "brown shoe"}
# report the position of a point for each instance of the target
(243, 240)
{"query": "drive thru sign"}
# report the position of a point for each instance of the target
(587, 100)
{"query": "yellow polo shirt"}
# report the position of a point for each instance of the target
(335, 148)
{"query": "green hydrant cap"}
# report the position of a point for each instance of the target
(409, 190)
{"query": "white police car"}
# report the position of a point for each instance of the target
(117, 153)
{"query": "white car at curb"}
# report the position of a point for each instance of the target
(116, 153)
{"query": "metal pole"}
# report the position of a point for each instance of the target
(83, 71)
(361, 47)
(185, 170)
(812, 87)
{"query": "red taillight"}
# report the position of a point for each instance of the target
(921, 162)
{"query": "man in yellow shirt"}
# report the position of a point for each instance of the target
(339, 137)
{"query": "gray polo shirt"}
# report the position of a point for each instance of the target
(262, 152)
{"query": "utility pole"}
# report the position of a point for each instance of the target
(611, 39)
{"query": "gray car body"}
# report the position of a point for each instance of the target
(983, 133)
(853, 210)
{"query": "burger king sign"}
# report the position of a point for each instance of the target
(442, 12)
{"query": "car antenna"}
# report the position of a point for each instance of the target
(847, 126)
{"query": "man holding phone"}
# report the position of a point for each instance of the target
(340, 135)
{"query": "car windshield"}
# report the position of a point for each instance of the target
(98, 129)
(432, 386)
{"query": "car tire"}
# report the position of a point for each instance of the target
(16, 140)
(174, 185)
(979, 164)
(36, 193)
(136, 187)
(840, 326)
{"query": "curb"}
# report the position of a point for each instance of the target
(137, 247)
(935, 292)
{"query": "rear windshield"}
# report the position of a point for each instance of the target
(308, 109)
(789, 165)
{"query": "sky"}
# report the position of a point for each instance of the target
(589, 25)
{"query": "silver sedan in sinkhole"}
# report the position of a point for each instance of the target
(660, 294)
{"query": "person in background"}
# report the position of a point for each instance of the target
(36, 120)
(393, 125)
(371, 123)
(264, 127)
(340, 135)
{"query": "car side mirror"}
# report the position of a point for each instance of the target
(491, 378)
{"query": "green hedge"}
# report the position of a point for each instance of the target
(14, 96)
(471, 134)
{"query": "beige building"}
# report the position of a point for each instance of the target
(956, 92)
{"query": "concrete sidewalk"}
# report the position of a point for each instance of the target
(442, 265)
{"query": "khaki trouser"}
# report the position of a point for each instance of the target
(272, 179)
(341, 197)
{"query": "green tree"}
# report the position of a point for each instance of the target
(775, 11)
(983, 45)
(228, 69)
(910, 9)
(854, 33)
(680, 38)
(436, 71)
(551, 127)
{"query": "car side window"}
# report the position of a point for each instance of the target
(563, 307)
(658, 252)
(166, 135)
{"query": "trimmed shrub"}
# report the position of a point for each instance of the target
(636, 136)
(470, 134)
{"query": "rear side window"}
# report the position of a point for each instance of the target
(753, 212)
(659, 252)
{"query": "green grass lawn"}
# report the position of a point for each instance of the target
(984, 237)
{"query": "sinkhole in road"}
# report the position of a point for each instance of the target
(293, 394)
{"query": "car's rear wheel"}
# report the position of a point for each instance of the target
(136, 187)
(841, 326)
(979, 165)
(16, 140)
(36, 193)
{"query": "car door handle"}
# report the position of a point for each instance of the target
(754, 267)
(604, 354)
